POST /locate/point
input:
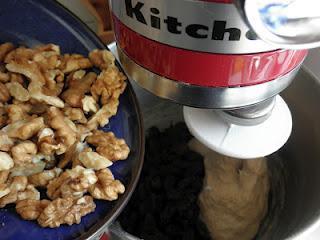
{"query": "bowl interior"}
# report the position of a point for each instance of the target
(295, 179)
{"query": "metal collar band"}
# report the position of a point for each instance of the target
(204, 97)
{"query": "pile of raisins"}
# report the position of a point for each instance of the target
(164, 204)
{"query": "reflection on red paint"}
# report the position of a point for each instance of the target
(104, 237)
(205, 69)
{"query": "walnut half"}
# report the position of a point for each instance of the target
(16, 185)
(107, 188)
(31, 209)
(23, 152)
(72, 183)
(66, 211)
(108, 145)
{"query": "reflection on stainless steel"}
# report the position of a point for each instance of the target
(301, 158)
(251, 115)
(286, 23)
(203, 97)
(294, 208)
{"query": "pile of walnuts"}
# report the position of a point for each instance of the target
(51, 106)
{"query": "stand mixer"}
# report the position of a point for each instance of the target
(202, 54)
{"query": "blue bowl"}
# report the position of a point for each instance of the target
(33, 22)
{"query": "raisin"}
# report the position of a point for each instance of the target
(164, 205)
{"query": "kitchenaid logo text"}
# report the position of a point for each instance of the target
(218, 31)
(189, 24)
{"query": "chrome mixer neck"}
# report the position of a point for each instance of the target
(250, 115)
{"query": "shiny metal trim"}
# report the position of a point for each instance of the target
(204, 97)
(251, 115)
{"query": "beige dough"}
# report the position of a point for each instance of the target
(234, 199)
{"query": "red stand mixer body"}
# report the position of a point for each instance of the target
(199, 53)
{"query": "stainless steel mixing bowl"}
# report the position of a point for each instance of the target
(295, 203)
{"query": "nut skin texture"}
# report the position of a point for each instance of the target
(25, 129)
(23, 54)
(38, 108)
(5, 48)
(101, 58)
(42, 179)
(28, 169)
(64, 134)
(75, 114)
(72, 154)
(108, 145)
(55, 76)
(77, 89)
(23, 152)
(68, 156)
(55, 83)
(29, 193)
(109, 85)
(29, 70)
(83, 132)
(6, 162)
(5, 142)
(47, 56)
(71, 183)
(74, 62)
(16, 185)
(19, 190)
(4, 176)
(18, 78)
(37, 82)
(94, 160)
(9, 198)
(26, 62)
(18, 112)
(47, 144)
(107, 188)
(4, 93)
(66, 211)
(4, 77)
(17, 91)
(89, 104)
(101, 118)
(31, 209)
(4, 190)
(20, 54)
(3, 115)
(31, 128)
